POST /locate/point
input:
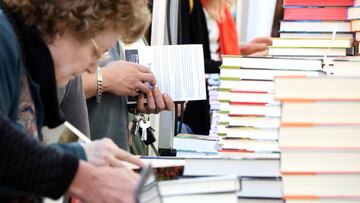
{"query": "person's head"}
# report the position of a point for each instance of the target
(78, 32)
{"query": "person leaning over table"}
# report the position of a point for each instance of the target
(43, 45)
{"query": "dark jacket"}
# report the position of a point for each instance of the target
(193, 30)
(25, 164)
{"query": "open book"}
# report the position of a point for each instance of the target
(179, 69)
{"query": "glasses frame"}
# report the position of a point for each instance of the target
(96, 48)
(100, 56)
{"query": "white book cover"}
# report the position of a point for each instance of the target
(261, 187)
(200, 185)
(179, 69)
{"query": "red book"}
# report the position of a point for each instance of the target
(318, 2)
(329, 13)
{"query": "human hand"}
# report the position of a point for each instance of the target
(257, 47)
(104, 184)
(156, 102)
(104, 152)
(127, 79)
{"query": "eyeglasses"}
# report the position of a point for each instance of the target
(100, 56)
(96, 49)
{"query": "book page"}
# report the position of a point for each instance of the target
(179, 69)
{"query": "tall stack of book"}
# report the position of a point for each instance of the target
(320, 139)
(354, 17)
(213, 81)
(249, 116)
(250, 119)
(343, 66)
(191, 145)
(308, 27)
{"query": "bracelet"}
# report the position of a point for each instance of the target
(99, 86)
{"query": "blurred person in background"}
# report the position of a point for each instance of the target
(210, 23)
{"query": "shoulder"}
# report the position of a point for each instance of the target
(9, 48)
(10, 64)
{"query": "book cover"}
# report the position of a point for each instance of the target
(318, 3)
(313, 13)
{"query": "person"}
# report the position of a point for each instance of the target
(210, 23)
(44, 44)
(72, 98)
(121, 79)
(109, 118)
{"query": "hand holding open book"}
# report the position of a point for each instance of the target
(130, 79)
(179, 69)
(102, 152)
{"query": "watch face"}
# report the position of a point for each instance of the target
(147, 190)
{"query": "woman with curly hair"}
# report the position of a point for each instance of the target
(43, 45)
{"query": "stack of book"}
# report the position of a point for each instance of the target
(249, 115)
(249, 123)
(354, 17)
(171, 189)
(191, 145)
(213, 81)
(205, 189)
(308, 29)
(320, 138)
(245, 179)
(260, 176)
(343, 66)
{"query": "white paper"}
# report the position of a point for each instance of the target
(179, 69)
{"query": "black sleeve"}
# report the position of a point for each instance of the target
(193, 30)
(29, 166)
(212, 66)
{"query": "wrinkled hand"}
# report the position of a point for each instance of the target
(104, 184)
(257, 47)
(127, 79)
(156, 102)
(120, 184)
(104, 152)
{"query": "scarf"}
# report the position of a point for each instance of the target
(228, 35)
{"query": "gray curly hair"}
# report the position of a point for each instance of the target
(84, 18)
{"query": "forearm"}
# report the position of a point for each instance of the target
(89, 81)
(74, 149)
(27, 165)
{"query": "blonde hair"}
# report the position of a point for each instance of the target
(84, 18)
(215, 8)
